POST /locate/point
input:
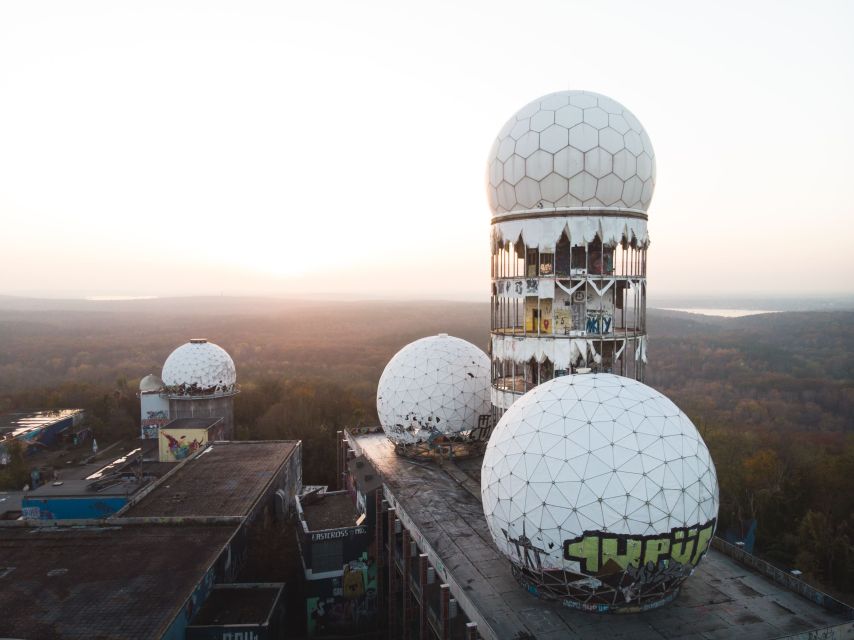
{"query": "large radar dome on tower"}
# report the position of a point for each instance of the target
(570, 178)
(571, 150)
(200, 368)
(432, 387)
(600, 491)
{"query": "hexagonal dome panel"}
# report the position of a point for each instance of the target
(599, 485)
(432, 387)
(564, 126)
(199, 368)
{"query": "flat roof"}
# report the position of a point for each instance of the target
(16, 423)
(82, 489)
(230, 604)
(225, 479)
(101, 582)
(10, 501)
(192, 423)
(330, 511)
(722, 599)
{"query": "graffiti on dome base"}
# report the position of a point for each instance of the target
(600, 553)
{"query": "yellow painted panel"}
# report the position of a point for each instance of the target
(177, 444)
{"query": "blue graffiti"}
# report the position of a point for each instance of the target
(599, 324)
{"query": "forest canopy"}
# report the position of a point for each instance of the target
(773, 394)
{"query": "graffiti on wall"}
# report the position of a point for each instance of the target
(599, 322)
(179, 444)
(352, 605)
(152, 423)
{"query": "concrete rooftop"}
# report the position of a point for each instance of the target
(439, 505)
(224, 480)
(101, 582)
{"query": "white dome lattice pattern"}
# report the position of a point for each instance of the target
(432, 387)
(571, 150)
(600, 491)
(150, 384)
(199, 368)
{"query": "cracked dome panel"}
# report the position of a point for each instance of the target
(432, 387)
(604, 479)
(199, 368)
(563, 134)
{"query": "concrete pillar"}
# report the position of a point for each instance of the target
(379, 552)
(407, 593)
(423, 563)
(392, 575)
(445, 610)
(339, 438)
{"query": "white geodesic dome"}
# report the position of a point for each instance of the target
(571, 150)
(604, 480)
(199, 368)
(432, 387)
(150, 384)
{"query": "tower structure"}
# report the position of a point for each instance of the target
(154, 406)
(200, 381)
(570, 177)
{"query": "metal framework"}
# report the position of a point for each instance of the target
(450, 447)
(579, 592)
(580, 306)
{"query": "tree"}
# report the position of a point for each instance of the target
(15, 474)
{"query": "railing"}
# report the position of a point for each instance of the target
(616, 333)
(783, 578)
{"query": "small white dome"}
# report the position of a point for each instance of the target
(571, 150)
(433, 386)
(150, 384)
(200, 368)
(608, 479)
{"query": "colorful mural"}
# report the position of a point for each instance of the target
(178, 444)
(352, 605)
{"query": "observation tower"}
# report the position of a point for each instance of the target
(200, 381)
(570, 177)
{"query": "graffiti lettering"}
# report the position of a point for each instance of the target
(599, 552)
(597, 323)
(334, 534)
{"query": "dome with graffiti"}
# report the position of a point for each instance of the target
(600, 491)
(433, 387)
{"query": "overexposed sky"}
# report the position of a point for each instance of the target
(172, 148)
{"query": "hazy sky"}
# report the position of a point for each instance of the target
(161, 148)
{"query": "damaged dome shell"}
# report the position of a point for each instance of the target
(199, 368)
(435, 386)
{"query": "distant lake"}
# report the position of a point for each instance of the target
(105, 298)
(723, 313)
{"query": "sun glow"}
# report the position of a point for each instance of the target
(279, 140)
